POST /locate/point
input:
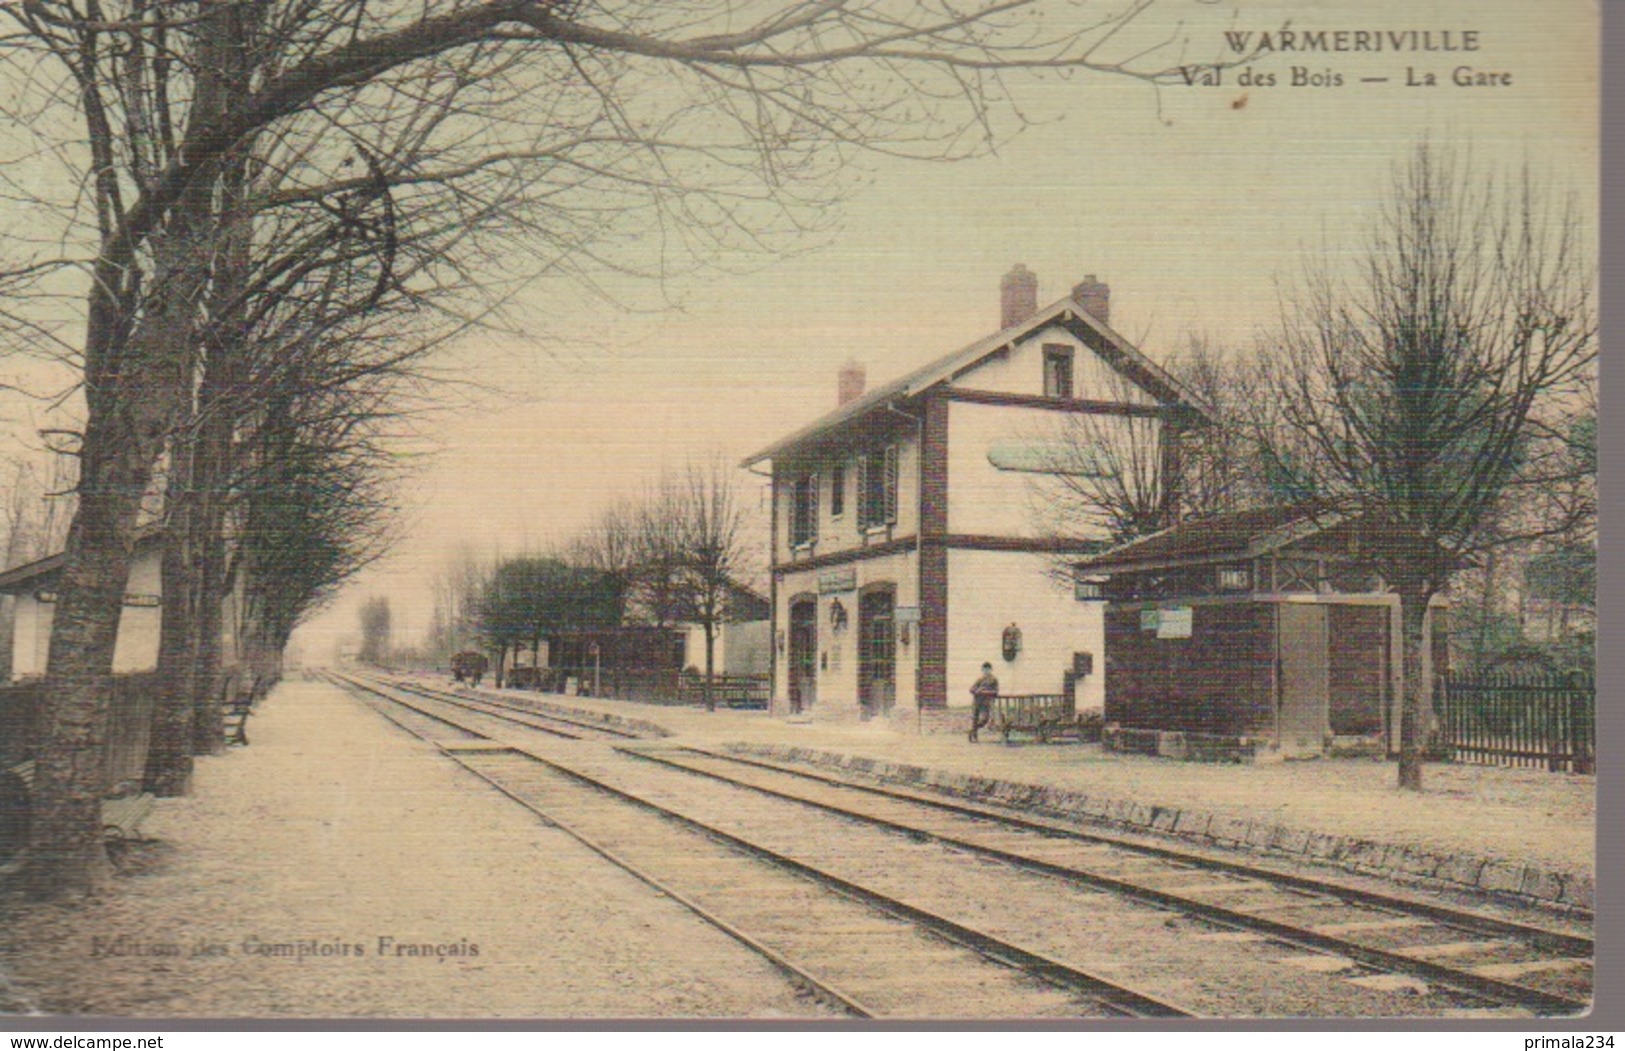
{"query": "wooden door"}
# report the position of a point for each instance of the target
(1303, 720)
(803, 654)
(877, 652)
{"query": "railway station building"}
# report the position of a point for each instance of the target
(905, 552)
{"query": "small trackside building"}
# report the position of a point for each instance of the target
(1253, 634)
(31, 591)
(904, 548)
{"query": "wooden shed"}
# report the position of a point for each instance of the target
(1252, 633)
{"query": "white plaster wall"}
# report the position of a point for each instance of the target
(748, 644)
(1021, 371)
(991, 501)
(741, 648)
(136, 650)
(138, 630)
(838, 650)
(988, 591)
(30, 635)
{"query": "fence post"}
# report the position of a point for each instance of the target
(1582, 716)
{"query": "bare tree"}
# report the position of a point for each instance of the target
(657, 556)
(709, 530)
(1408, 392)
(724, 126)
(456, 587)
(1111, 476)
(375, 630)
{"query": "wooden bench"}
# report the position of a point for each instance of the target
(1047, 716)
(236, 715)
(727, 691)
(121, 817)
(236, 706)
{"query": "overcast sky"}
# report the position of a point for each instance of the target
(1189, 201)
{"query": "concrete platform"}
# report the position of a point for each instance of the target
(1514, 833)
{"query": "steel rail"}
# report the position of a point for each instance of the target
(357, 684)
(1508, 993)
(371, 687)
(1477, 923)
(450, 697)
(821, 986)
(1108, 994)
(789, 967)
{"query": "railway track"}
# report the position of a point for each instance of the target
(1393, 934)
(523, 715)
(1381, 941)
(871, 954)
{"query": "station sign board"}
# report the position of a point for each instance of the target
(836, 580)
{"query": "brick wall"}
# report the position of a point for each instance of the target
(932, 684)
(1218, 681)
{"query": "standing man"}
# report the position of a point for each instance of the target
(982, 695)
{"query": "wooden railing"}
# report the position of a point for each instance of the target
(728, 691)
(660, 686)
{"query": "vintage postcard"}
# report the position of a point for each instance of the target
(799, 511)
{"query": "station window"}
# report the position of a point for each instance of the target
(803, 510)
(1057, 370)
(877, 487)
(837, 491)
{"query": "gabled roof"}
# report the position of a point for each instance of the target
(1067, 313)
(21, 578)
(1215, 538)
(746, 603)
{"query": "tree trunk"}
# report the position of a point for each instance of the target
(220, 405)
(213, 474)
(148, 376)
(209, 721)
(66, 857)
(1418, 700)
(1486, 610)
(710, 663)
(169, 751)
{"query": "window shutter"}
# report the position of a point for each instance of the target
(891, 484)
(812, 507)
(863, 491)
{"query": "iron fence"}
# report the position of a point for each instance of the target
(1511, 719)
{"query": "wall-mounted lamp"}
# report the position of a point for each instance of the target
(1012, 642)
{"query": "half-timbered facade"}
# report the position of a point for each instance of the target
(905, 552)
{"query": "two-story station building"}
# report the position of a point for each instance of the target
(905, 548)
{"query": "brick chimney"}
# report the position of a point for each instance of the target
(1095, 297)
(1018, 296)
(850, 382)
